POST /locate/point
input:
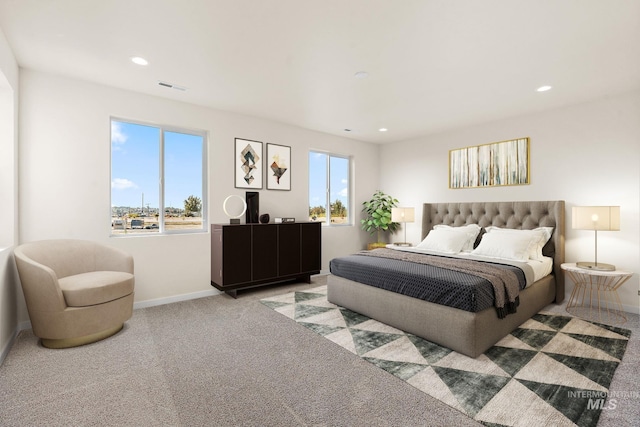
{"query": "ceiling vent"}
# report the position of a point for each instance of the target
(172, 86)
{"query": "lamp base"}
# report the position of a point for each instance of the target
(596, 266)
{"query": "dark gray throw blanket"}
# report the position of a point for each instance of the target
(505, 283)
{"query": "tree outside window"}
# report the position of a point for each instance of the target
(329, 188)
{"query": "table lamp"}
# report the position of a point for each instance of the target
(234, 207)
(403, 215)
(603, 218)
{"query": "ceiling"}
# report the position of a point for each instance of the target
(432, 65)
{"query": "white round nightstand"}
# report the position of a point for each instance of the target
(599, 285)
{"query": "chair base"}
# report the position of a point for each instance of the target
(78, 341)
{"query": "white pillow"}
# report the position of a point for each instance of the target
(443, 240)
(512, 246)
(471, 231)
(542, 233)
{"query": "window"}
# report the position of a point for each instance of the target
(157, 179)
(329, 188)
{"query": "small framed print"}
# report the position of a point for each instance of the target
(278, 167)
(248, 164)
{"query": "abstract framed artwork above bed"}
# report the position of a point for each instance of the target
(489, 165)
(472, 328)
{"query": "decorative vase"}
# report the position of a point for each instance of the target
(264, 218)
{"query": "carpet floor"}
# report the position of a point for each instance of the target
(219, 361)
(552, 370)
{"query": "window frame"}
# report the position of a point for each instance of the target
(161, 177)
(329, 155)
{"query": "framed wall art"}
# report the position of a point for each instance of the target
(489, 165)
(278, 167)
(248, 164)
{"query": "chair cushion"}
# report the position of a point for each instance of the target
(96, 287)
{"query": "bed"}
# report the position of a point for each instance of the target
(467, 332)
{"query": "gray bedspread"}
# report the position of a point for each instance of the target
(435, 278)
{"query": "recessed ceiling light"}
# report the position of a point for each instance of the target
(383, 129)
(361, 75)
(139, 60)
(543, 88)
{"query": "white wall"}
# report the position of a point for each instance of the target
(8, 193)
(586, 154)
(65, 176)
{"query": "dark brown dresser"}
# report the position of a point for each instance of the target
(249, 255)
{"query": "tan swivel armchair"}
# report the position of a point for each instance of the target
(77, 292)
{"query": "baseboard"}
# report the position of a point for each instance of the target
(176, 298)
(7, 347)
(24, 325)
(631, 308)
(186, 297)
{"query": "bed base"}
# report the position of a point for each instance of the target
(467, 333)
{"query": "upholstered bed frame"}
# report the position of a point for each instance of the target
(465, 332)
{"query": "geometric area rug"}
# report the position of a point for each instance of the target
(551, 371)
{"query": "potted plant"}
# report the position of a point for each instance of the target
(378, 217)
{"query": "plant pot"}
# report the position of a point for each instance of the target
(376, 245)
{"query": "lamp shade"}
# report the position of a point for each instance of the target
(605, 218)
(234, 207)
(402, 214)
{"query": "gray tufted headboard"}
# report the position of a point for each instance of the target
(519, 215)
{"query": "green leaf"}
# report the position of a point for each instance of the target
(378, 213)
